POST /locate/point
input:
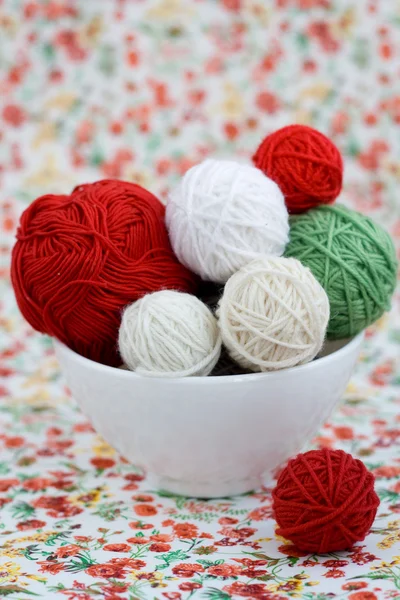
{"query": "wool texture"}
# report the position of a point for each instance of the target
(80, 259)
(305, 164)
(169, 334)
(354, 260)
(224, 214)
(273, 314)
(325, 501)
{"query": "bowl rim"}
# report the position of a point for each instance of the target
(322, 362)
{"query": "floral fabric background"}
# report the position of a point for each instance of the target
(141, 90)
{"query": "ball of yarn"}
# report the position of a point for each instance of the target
(354, 260)
(325, 501)
(224, 214)
(80, 259)
(273, 314)
(169, 334)
(305, 164)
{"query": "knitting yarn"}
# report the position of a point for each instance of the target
(80, 259)
(223, 215)
(273, 314)
(169, 334)
(324, 501)
(354, 260)
(305, 164)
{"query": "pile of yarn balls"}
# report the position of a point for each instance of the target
(249, 268)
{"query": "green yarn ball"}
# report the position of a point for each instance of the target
(353, 259)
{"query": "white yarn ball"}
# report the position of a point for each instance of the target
(273, 314)
(224, 214)
(169, 334)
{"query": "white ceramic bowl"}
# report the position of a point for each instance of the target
(210, 436)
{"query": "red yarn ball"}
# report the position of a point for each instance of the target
(80, 259)
(305, 164)
(325, 501)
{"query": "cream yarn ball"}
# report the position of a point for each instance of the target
(273, 314)
(224, 214)
(169, 334)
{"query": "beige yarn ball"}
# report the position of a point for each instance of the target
(169, 334)
(273, 314)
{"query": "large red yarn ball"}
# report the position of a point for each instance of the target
(305, 164)
(325, 501)
(80, 259)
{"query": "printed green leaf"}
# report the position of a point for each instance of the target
(211, 563)
(214, 594)
(62, 535)
(7, 590)
(22, 511)
(80, 562)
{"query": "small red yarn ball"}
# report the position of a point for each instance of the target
(80, 259)
(305, 164)
(325, 501)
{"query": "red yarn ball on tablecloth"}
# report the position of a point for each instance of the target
(80, 259)
(325, 501)
(305, 164)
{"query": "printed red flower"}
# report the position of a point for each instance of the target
(354, 585)
(102, 463)
(189, 586)
(185, 531)
(335, 563)
(250, 562)
(117, 547)
(36, 483)
(69, 550)
(386, 472)
(253, 573)
(132, 563)
(363, 596)
(106, 571)
(291, 550)
(226, 542)
(260, 514)
(224, 570)
(50, 502)
(143, 498)
(267, 102)
(14, 115)
(114, 589)
(241, 533)
(159, 547)
(30, 524)
(139, 541)
(162, 537)
(250, 590)
(172, 595)
(133, 477)
(140, 525)
(6, 484)
(15, 441)
(145, 510)
(48, 566)
(227, 521)
(231, 131)
(187, 570)
(334, 573)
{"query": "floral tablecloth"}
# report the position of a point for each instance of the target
(141, 90)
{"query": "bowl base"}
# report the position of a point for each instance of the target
(203, 489)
